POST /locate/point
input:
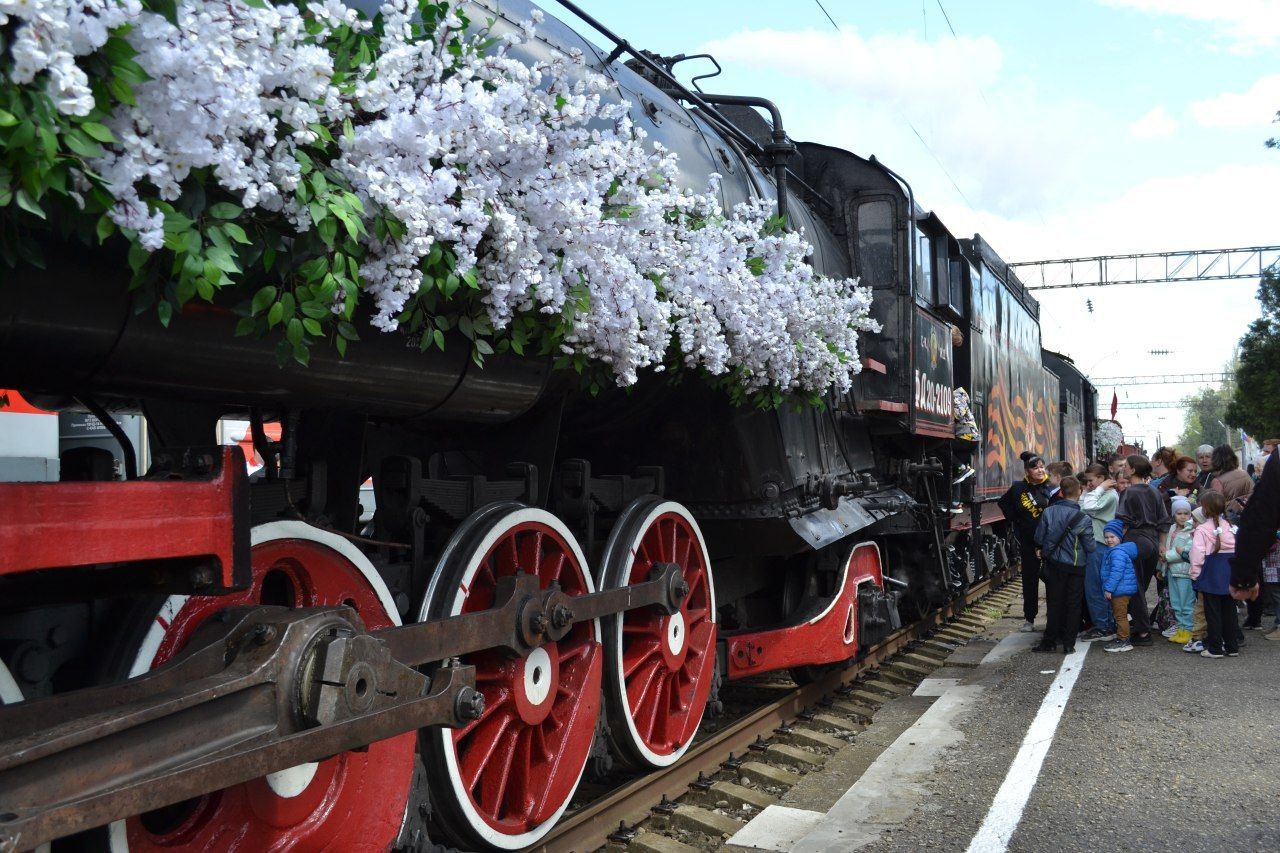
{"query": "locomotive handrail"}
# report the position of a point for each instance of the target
(704, 102)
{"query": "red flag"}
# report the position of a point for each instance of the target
(1115, 404)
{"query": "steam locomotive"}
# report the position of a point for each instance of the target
(551, 583)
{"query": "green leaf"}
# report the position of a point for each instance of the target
(312, 327)
(328, 231)
(483, 347)
(165, 310)
(225, 210)
(314, 310)
(245, 327)
(264, 297)
(223, 259)
(29, 205)
(348, 331)
(105, 228)
(23, 136)
(100, 132)
(121, 91)
(293, 331)
(7, 119)
(235, 232)
(438, 337)
(302, 354)
(205, 288)
(341, 344)
(268, 259)
(185, 290)
(274, 315)
(218, 238)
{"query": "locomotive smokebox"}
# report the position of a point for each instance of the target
(72, 329)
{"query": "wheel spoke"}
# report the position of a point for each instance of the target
(531, 552)
(683, 555)
(640, 685)
(495, 776)
(637, 653)
(480, 745)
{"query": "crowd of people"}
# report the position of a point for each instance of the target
(1097, 538)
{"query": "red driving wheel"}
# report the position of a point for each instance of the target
(353, 801)
(504, 780)
(659, 669)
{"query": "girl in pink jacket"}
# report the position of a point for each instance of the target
(1212, 544)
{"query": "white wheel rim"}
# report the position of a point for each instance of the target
(619, 685)
(288, 779)
(444, 736)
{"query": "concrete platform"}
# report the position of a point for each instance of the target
(1006, 749)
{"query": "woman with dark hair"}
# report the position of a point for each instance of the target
(1022, 505)
(1234, 484)
(1181, 483)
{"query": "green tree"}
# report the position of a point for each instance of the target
(1205, 413)
(1255, 406)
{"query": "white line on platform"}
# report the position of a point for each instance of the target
(1006, 810)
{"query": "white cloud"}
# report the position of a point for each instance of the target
(1154, 124)
(1006, 147)
(1247, 24)
(893, 68)
(1254, 108)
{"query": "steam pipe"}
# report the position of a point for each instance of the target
(779, 151)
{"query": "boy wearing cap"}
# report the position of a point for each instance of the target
(1119, 582)
(1175, 553)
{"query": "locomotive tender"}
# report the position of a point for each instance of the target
(551, 582)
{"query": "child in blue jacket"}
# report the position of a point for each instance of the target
(1119, 581)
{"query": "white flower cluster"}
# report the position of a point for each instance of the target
(52, 33)
(1107, 436)
(532, 176)
(234, 89)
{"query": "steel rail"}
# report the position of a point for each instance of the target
(590, 827)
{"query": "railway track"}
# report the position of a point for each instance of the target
(640, 811)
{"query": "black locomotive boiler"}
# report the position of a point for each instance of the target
(552, 581)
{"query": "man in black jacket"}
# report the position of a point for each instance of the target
(1022, 505)
(1257, 532)
(1143, 512)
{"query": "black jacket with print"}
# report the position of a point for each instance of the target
(1022, 506)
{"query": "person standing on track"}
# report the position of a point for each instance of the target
(1143, 512)
(1065, 538)
(1022, 505)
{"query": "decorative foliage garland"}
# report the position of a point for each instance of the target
(1107, 436)
(308, 158)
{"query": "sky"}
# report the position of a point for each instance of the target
(1055, 130)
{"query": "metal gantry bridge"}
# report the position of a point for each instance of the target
(1162, 379)
(1148, 268)
(1163, 404)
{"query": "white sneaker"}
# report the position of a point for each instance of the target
(1027, 628)
(1169, 632)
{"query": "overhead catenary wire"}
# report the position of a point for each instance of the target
(911, 125)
